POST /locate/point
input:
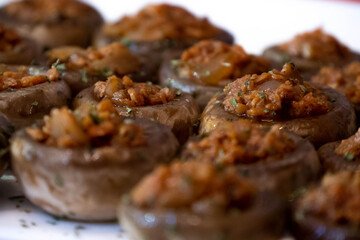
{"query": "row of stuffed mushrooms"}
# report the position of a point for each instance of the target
(198, 138)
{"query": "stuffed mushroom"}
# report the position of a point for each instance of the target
(310, 51)
(341, 155)
(331, 210)
(157, 29)
(79, 163)
(82, 68)
(277, 160)
(28, 93)
(15, 49)
(314, 112)
(346, 80)
(169, 106)
(52, 23)
(207, 67)
(196, 200)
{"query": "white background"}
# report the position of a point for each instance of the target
(256, 24)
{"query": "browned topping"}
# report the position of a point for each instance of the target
(47, 10)
(87, 126)
(197, 186)
(8, 39)
(114, 58)
(316, 45)
(346, 80)
(210, 62)
(336, 200)
(273, 94)
(22, 79)
(350, 148)
(240, 142)
(163, 21)
(124, 92)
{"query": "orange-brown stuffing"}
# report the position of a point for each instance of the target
(196, 186)
(87, 126)
(350, 148)
(275, 93)
(112, 59)
(22, 79)
(162, 21)
(316, 45)
(211, 62)
(346, 80)
(337, 199)
(240, 142)
(124, 92)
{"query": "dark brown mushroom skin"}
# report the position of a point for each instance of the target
(25, 106)
(307, 67)
(83, 183)
(333, 162)
(6, 130)
(308, 227)
(26, 53)
(286, 176)
(58, 31)
(152, 53)
(263, 221)
(338, 123)
(181, 115)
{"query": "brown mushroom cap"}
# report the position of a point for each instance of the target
(82, 183)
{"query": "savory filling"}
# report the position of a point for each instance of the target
(10, 80)
(162, 21)
(275, 94)
(196, 186)
(350, 148)
(316, 45)
(88, 126)
(240, 142)
(346, 80)
(212, 62)
(336, 200)
(47, 10)
(8, 39)
(112, 59)
(124, 92)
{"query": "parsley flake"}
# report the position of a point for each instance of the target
(178, 93)
(128, 110)
(95, 118)
(240, 93)
(217, 101)
(35, 103)
(247, 83)
(10, 89)
(233, 102)
(228, 87)
(271, 72)
(266, 110)
(303, 88)
(175, 62)
(349, 156)
(262, 96)
(83, 76)
(58, 65)
(106, 72)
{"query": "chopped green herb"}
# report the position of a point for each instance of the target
(273, 113)
(333, 99)
(175, 62)
(240, 93)
(178, 93)
(149, 83)
(349, 156)
(271, 72)
(247, 83)
(320, 103)
(128, 110)
(197, 123)
(252, 77)
(303, 88)
(206, 73)
(266, 110)
(59, 181)
(83, 76)
(233, 102)
(58, 65)
(106, 72)
(95, 118)
(125, 41)
(187, 100)
(291, 79)
(228, 87)
(35, 103)
(10, 89)
(48, 80)
(262, 96)
(217, 101)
